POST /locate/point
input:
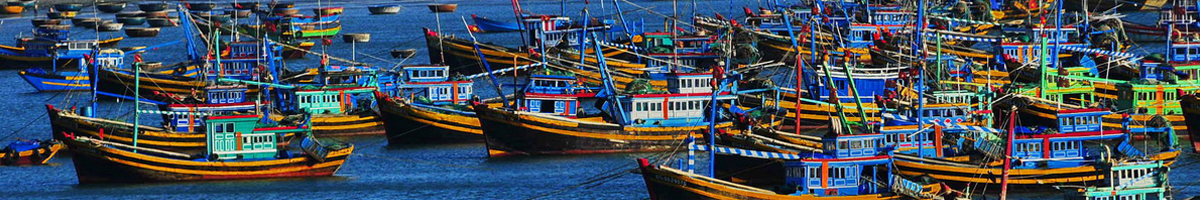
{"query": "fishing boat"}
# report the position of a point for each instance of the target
(328, 10)
(403, 53)
(239, 13)
(47, 21)
(29, 152)
(52, 61)
(259, 157)
(200, 6)
(12, 10)
(339, 98)
(244, 5)
(428, 105)
(131, 21)
(356, 37)
(1190, 105)
(109, 26)
(161, 22)
(1045, 158)
(439, 8)
(90, 23)
(152, 6)
(493, 26)
(384, 9)
(142, 32)
(1130, 179)
(285, 11)
(282, 5)
(25, 3)
(68, 6)
(546, 117)
(110, 7)
(61, 15)
(156, 14)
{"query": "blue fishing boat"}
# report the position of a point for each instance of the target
(56, 62)
(494, 26)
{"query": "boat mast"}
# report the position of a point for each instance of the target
(1008, 149)
(787, 21)
(608, 84)
(516, 6)
(483, 59)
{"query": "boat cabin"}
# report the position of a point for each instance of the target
(1184, 51)
(221, 99)
(333, 100)
(686, 51)
(1029, 52)
(689, 83)
(231, 137)
(238, 61)
(891, 17)
(837, 176)
(344, 76)
(109, 58)
(852, 146)
(551, 30)
(430, 82)
(1154, 99)
(1081, 120)
(552, 94)
(671, 109)
(834, 177)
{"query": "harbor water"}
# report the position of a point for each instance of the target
(376, 170)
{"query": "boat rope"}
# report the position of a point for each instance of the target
(501, 71)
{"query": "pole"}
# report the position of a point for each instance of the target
(1008, 149)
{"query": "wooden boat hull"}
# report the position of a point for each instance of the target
(406, 123)
(54, 82)
(110, 7)
(104, 164)
(493, 26)
(131, 21)
(437, 8)
(67, 122)
(13, 9)
(664, 183)
(511, 133)
(38, 156)
(68, 6)
(293, 53)
(161, 22)
(142, 32)
(151, 7)
(1191, 114)
(384, 10)
(347, 125)
(201, 6)
(959, 176)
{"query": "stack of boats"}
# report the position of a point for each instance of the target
(820, 99)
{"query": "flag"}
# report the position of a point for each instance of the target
(474, 29)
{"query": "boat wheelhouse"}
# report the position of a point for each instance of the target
(340, 98)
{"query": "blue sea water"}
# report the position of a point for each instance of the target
(451, 171)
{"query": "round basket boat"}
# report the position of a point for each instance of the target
(356, 37)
